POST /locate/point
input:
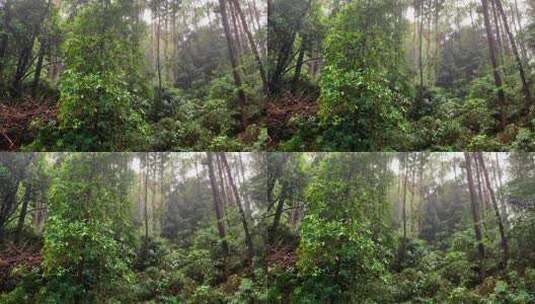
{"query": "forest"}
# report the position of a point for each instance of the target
(255, 75)
(132, 75)
(402, 228)
(382, 75)
(132, 227)
(213, 228)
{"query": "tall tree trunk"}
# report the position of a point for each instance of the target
(257, 13)
(403, 243)
(247, 203)
(299, 65)
(411, 203)
(166, 39)
(41, 54)
(273, 230)
(500, 45)
(500, 185)
(5, 36)
(236, 30)
(23, 211)
(520, 30)
(525, 86)
(145, 201)
(248, 238)
(252, 43)
(480, 196)
(234, 62)
(475, 212)
(420, 44)
(158, 63)
(224, 193)
(217, 205)
(174, 41)
(496, 72)
(38, 68)
(23, 64)
(504, 242)
(404, 204)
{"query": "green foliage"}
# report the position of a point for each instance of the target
(340, 256)
(30, 282)
(362, 90)
(462, 295)
(29, 29)
(86, 250)
(360, 110)
(458, 269)
(93, 108)
(99, 89)
(249, 292)
(525, 140)
(206, 122)
(337, 261)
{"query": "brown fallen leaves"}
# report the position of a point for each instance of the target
(281, 110)
(13, 256)
(284, 257)
(15, 121)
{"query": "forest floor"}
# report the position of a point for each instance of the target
(284, 256)
(13, 257)
(284, 111)
(16, 121)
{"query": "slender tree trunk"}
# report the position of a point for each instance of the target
(38, 68)
(234, 62)
(273, 230)
(174, 42)
(23, 64)
(145, 201)
(257, 13)
(23, 211)
(497, 77)
(250, 37)
(217, 205)
(236, 30)
(299, 65)
(420, 44)
(500, 45)
(247, 203)
(525, 86)
(4, 40)
(403, 244)
(40, 56)
(411, 203)
(158, 63)
(404, 205)
(224, 193)
(475, 212)
(421, 172)
(166, 40)
(480, 196)
(248, 238)
(520, 30)
(504, 242)
(499, 183)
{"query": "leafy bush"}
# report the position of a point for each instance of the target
(337, 261)
(96, 114)
(461, 295)
(359, 110)
(86, 249)
(458, 269)
(362, 103)
(205, 294)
